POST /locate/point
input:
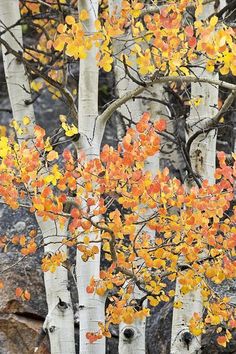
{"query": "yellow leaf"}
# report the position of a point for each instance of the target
(178, 304)
(106, 247)
(59, 44)
(210, 67)
(47, 145)
(196, 331)
(53, 268)
(3, 130)
(199, 9)
(164, 298)
(82, 53)
(84, 15)
(70, 20)
(171, 293)
(72, 131)
(153, 301)
(69, 130)
(22, 240)
(17, 127)
(97, 25)
(61, 28)
(36, 85)
(86, 240)
(213, 21)
(72, 50)
(224, 70)
(184, 70)
(26, 120)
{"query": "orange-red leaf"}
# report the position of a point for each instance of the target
(160, 125)
(19, 292)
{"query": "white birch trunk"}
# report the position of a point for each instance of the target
(133, 108)
(192, 302)
(62, 336)
(132, 337)
(91, 306)
(202, 157)
(158, 111)
(59, 322)
(15, 74)
(203, 148)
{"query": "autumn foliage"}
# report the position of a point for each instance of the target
(146, 222)
(198, 225)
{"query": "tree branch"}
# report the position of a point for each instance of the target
(103, 118)
(65, 93)
(212, 123)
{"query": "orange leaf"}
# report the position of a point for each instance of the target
(127, 142)
(52, 155)
(232, 323)
(92, 337)
(189, 31)
(222, 340)
(22, 240)
(90, 289)
(101, 291)
(192, 42)
(19, 292)
(160, 125)
(33, 233)
(86, 224)
(90, 202)
(27, 295)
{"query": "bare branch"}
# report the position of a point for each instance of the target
(65, 93)
(103, 118)
(212, 123)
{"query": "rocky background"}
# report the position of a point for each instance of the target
(21, 322)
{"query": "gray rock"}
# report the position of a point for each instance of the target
(20, 226)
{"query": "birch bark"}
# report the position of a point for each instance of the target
(15, 74)
(92, 306)
(60, 320)
(59, 323)
(132, 337)
(202, 157)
